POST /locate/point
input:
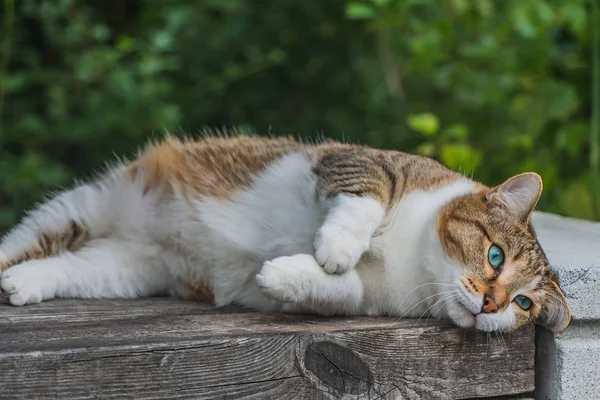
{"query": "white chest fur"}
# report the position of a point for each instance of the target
(408, 247)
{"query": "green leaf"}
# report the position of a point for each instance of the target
(562, 100)
(575, 199)
(484, 7)
(124, 43)
(572, 137)
(460, 5)
(162, 40)
(13, 82)
(100, 32)
(425, 123)
(575, 16)
(276, 55)
(381, 3)
(518, 141)
(426, 149)
(522, 22)
(460, 157)
(456, 132)
(359, 11)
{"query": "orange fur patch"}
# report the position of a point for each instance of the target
(208, 167)
(49, 244)
(199, 291)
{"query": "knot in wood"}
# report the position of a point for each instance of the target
(338, 367)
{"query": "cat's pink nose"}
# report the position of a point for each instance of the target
(489, 304)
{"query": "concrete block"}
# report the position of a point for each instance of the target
(567, 364)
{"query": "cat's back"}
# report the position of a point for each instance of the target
(209, 166)
(220, 166)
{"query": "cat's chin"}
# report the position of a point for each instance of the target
(460, 315)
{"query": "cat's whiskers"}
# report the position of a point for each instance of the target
(425, 299)
(441, 305)
(446, 297)
(442, 300)
(425, 284)
(501, 339)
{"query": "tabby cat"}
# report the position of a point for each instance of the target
(277, 225)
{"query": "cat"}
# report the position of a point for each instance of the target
(277, 225)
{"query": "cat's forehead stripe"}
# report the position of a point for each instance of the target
(477, 224)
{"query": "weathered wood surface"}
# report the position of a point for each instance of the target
(162, 348)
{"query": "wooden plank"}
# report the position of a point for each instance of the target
(75, 310)
(162, 348)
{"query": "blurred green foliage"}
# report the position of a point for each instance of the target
(491, 88)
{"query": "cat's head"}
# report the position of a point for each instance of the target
(501, 275)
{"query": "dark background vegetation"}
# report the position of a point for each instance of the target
(492, 88)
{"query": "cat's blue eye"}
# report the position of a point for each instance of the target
(495, 256)
(523, 302)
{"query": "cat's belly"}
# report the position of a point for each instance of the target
(226, 241)
(278, 215)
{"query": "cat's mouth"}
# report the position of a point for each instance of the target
(461, 315)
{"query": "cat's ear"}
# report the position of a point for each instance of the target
(519, 194)
(556, 314)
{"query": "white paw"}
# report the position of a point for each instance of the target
(24, 284)
(287, 279)
(339, 249)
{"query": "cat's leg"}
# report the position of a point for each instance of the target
(67, 221)
(355, 191)
(84, 243)
(103, 268)
(346, 233)
(301, 282)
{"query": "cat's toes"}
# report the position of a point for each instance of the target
(339, 251)
(275, 282)
(23, 285)
(285, 278)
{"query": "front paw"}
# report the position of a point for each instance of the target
(287, 279)
(338, 249)
(24, 284)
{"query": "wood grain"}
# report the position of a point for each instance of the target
(163, 348)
